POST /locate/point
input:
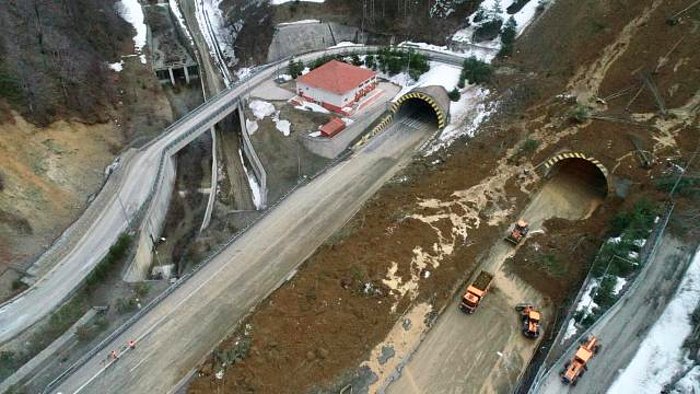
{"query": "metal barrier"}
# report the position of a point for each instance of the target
(168, 151)
(646, 256)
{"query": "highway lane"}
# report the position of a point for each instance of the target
(622, 330)
(177, 333)
(135, 178)
(485, 352)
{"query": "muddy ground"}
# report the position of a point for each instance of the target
(49, 173)
(321, 325)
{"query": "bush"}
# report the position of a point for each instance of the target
(579, 113)
(488, 30)
(475, 71)
(115, 254)
(604, 296)
(454, 95)
(687, 187)
(126, 305)
(295, 68)
(508, 37)
(636, 223)
(394, 61)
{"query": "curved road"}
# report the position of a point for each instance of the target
(622, 330)
(134, 181)
(181, 330)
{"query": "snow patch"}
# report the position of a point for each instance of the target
(619, 285)
(251, 126)
(284, 126)
(253, 182)
(661, 354)
(261, 109)
(571, 330)
(180, 19)
(212, 24)
(118, 66)
(244, 72)
(307, 106)
(131, 11)
(301, 22)
(278, 2)
(345, 44)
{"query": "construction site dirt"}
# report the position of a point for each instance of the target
(423, 235)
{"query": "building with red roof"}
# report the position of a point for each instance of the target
(336, 85)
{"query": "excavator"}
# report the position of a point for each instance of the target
(530, 317)
(520, 230)
(578, 365)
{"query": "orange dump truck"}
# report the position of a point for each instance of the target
(575, 368)
(476, 292)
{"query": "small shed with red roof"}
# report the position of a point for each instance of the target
(333, 127)
(336, 85)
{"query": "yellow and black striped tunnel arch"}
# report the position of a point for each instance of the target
(439, 112)
(552, 161)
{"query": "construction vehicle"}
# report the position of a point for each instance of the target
(530, 317)
(519, 231)
(476, 292)
(578, 365)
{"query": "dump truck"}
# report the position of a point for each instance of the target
(476, 292)
(519, 231)
(578, 365)
(530, 319)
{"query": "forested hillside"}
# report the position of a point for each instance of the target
(53, 56)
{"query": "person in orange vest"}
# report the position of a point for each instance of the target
(114, 355)
(132, 344)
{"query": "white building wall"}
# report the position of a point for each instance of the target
(330, 97)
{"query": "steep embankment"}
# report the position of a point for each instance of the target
(64, 115)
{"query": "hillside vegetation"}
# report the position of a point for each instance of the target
(53, 56)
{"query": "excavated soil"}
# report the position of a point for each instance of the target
(419, 238)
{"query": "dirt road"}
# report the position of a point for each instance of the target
(622, 331)
(486, 352)
(181, 330)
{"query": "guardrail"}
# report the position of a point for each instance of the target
(168, 151)
(646, 256)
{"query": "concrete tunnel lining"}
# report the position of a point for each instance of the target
(582, 167)
(434, 96)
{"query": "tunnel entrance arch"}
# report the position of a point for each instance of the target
(428, 99)
(581, 168)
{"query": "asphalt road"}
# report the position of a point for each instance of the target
(485, 352)
(175, 335)
(88, 243)
(622, 331)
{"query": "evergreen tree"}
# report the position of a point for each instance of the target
(508, 37)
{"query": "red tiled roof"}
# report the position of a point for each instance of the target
(333, 127)
(336, 76)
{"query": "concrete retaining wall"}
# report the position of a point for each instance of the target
(252, 157)
(214, 183)
(152, 226)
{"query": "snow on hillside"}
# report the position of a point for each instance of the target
(131, 11)
(278, 2)
(180, 19)
(661, 356)
(253, 182)
(212, 25)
